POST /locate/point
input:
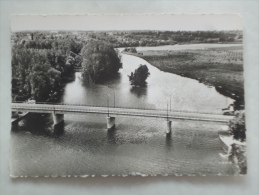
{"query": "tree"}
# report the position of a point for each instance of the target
(138, 78)
(75, 46)
(237, 126)
(100, 61)
(42, 79)
(32, 74)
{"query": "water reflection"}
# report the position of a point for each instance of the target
(140, 92)
(114, 80)
(168, 141)
(37, 124)
(111, 136)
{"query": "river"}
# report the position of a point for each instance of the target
(136, 146)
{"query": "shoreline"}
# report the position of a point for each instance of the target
(224, 87)
(182, 43)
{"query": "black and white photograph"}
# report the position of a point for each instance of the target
(127, 95)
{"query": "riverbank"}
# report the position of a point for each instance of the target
(219, 67)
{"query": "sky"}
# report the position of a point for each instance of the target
(182, 22)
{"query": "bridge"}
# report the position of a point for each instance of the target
(58, 111)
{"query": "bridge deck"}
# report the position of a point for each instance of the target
(75, 109)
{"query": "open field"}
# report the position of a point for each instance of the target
(220, 67)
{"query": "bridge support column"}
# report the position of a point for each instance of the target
(58, 126)
(169, 127)
(110, 122)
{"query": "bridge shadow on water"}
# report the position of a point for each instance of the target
(111, 136)
(37, 124)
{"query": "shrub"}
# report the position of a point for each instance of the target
(237, 126)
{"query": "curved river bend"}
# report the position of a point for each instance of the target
(137, 145)
(185, 93)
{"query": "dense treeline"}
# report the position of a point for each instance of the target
(40, 65)
(156, 38)
(100, 61)
(37, 40)
(134, 38)
(33, 76)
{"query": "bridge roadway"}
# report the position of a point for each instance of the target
(111, 111)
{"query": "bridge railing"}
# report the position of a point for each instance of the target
(145, 114)
(125, 107)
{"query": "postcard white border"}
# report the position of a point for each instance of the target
(135, 185)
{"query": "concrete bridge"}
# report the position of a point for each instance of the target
(58, 111)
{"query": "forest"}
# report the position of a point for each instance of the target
(40, 65)
(156, 38)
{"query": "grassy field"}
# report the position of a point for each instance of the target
(220, 67)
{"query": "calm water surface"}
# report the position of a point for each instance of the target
(136, 145)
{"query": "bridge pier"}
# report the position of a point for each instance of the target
(58, 125)
(110, 122)
(169, 127)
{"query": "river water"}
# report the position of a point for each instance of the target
(137, 145)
